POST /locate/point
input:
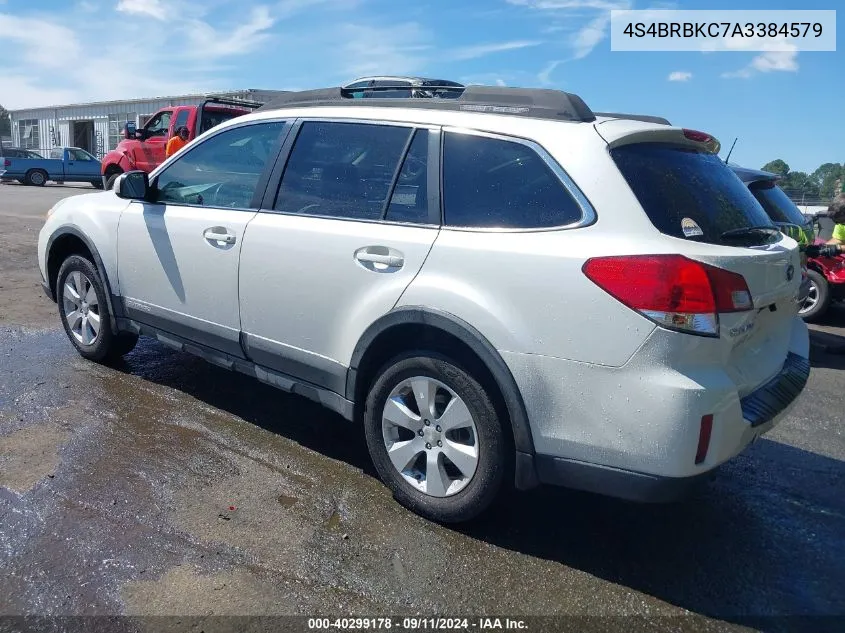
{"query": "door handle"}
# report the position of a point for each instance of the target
(219, 234)
(393, 261)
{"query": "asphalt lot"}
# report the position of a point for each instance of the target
(167, 486)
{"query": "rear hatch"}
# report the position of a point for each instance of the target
(709, 215)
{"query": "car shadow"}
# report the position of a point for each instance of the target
(827, 350)
(760, 542)
(294, 417)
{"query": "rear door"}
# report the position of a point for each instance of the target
(709, 214)
(354, 219)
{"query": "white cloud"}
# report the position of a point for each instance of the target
(481, 50)
(583, 23)
(359, 49)
(544, 75)
(151, 8)
(766, 62)
(680, 75)
(208, 42)
(43, 44)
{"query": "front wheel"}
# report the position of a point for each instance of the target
(110, 181)
(84, 312)
(435, 438)
(818, 298)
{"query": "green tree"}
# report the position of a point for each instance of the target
(827, 177)
(5, 122)
(777, 167)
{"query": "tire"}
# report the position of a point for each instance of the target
(94, 339)
(35, 178)
(818, 301)
(460, 493)
(111, 179)
(97, 184)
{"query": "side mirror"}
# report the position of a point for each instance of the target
(133, 185)
(130, 130)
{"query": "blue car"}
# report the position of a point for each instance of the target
(69, 164)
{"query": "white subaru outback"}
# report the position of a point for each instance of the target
(503, 287)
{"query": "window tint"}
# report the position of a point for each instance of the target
(776, 203)
(409, 202)
(181, 119)
(159, 124)
(81, 155)
(341, 169)
(496, 183)
(691, 194)
(223, 170)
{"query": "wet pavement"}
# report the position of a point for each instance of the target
(167, 486)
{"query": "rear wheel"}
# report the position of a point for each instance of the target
(85, 315)
(435, 438)
(818, 298)
(35, 177)
(97, 184)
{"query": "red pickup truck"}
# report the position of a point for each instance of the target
(144, 149)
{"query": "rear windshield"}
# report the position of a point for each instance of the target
(693, 195)
(776, 203)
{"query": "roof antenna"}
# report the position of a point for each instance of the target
(731, 150)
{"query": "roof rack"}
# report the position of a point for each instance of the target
(527, 102)
(635, 117)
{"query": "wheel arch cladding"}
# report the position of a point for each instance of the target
(67, 241)
(410, 328)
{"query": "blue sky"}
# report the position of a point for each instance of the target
(780, 105)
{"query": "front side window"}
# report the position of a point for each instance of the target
(342, 169)
(181, 119)
(159, 124)
(222, 171)
(80, 155)
(496, 183)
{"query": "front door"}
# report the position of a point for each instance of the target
(351, 226)
(178, 257)
(149, 153)
(81, 165)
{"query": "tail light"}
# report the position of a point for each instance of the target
(7, 163)
(675, 292)
(704, 138)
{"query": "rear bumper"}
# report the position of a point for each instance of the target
(634, 431)
(616, 482)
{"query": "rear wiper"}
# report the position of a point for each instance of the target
(750, 230)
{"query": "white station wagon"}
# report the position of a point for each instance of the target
(502, 287)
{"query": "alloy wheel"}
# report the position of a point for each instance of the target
(430, 436)
(81, 308)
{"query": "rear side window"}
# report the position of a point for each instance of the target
(344, 170)
(495, 183)
(693, 195)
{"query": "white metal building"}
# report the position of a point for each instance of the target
(98, 127)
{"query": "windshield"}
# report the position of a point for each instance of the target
(781, 209)
(693, 195)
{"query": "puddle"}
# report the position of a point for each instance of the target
(30, 455)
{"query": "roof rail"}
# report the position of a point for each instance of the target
(635, 117)
(527, 102)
